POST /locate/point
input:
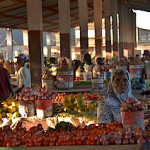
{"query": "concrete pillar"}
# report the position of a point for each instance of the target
(121, 28)
(48, 44)
(115, 27)
(64, 24)
(98, 27)
(133, 36)
(108, 37)
(25, 42)
(130, 45)
(9, 45)
(83, 20)
(35, 27)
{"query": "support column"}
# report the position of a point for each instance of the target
(98, 27)
(108, 37)
(64, 24)
(115, 27)
(25, 42)
(83, 20)
(35, 27)
(48, 44)
(9, 45)
(121, 28)
(130, 35)
(133, 36)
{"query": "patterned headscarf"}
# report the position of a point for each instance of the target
(109, 108)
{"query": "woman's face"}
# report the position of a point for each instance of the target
(121, 83)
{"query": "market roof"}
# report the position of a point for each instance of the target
(13, 13)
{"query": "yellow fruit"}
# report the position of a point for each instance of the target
(4, 103)
(9, 101)
(15, 114)
(4, 114)
(15, 104)
(11, 109)
(0, 110)
(9, 115)
(4, 108)
(1, 116)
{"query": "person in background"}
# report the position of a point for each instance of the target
(87, 61)
(53, 67)
(6, 88)
(76, 64)
(119, 89)
(23, 74)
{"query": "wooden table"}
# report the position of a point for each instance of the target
(82, 147)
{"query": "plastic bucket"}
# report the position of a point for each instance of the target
(44, 108)
(27, 108)
(87, 76)
(133, 119)
(135, 71)
(65, 80)
(49, 84)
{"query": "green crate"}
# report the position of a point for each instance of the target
(12, 148)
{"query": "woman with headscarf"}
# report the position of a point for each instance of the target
(119, 89)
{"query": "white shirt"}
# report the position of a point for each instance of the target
(24, 77)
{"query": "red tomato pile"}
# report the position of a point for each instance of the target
(112, 133)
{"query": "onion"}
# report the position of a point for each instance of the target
(127, 135)
(40, 94)
(20, 98)
(25, 98)
(125, 141)
(132, 140)
(141, 140)
(118, 141)
(31, 97)
(44, 98)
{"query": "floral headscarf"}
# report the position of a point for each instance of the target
(109, 108)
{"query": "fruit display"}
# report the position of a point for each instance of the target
(132, 113)
(59, 97)
(44, 94)
(64, 134)
(76, 104)
(92, 96)
(131, 105)
(26, 96)
(9, 108)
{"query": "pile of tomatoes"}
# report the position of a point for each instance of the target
(112, 133)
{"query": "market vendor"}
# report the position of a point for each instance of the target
(119, 89)
(23, 74)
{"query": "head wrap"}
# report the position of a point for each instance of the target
(109, 108)
(111, 90)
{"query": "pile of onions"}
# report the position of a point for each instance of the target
(26, 95)
(44, 94)
(131, 105)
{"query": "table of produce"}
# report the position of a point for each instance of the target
(64, 121)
